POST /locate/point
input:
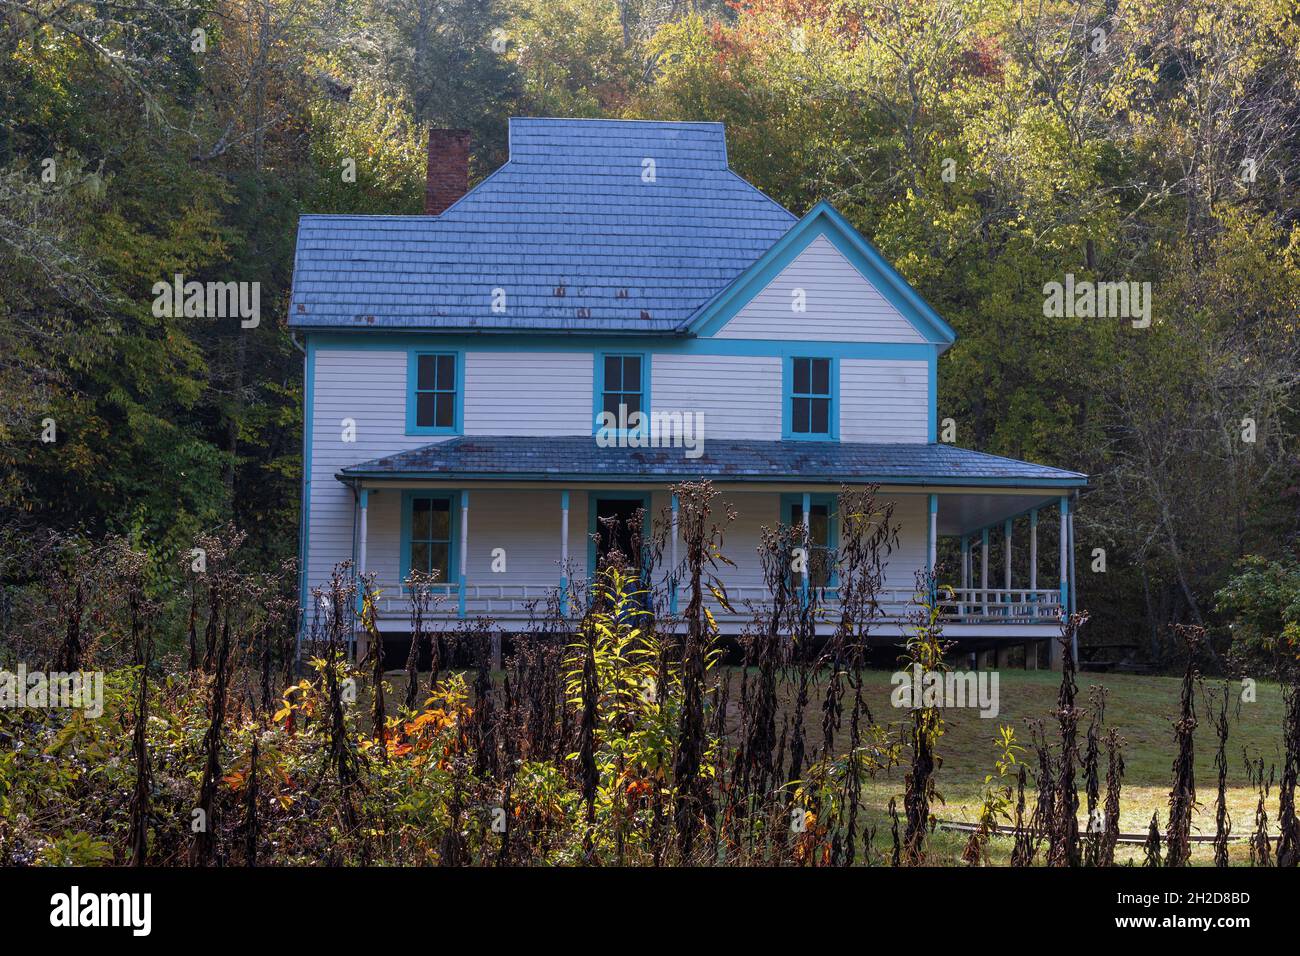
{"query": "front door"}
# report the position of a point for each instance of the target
(620, 523)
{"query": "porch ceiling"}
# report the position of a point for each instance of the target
(580, 458)
(963, 513)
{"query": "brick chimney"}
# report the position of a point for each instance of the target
(448, 176)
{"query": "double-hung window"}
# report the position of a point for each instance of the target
(810, 412)
(622, 384)
(428, 525)
(622, 389)
(434, 400)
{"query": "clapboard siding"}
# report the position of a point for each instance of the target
(529, 393)
(912, 515)
(841, 305)
(740, 395)
(383, 534)
(527, 526)
(367, 386)
(742, 538)
(550, 393)
(884, 401)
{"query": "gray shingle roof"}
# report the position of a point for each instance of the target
(569, 210)
(580, 458)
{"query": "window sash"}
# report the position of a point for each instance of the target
(435, 390)
(623, 384)
(810, 396)
(431, 535)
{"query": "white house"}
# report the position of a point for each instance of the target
(457, 365)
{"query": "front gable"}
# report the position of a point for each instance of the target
(822, 282)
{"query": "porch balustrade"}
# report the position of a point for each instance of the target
(520, 601)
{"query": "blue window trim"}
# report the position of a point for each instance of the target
(453, 551)
(832, 502)
(412, 360)
(598, 397)
(641, 496)
(787, 400)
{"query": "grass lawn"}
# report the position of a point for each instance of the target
(1140, 707)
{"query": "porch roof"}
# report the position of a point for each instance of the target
(579, 458)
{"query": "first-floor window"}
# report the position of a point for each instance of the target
(819, 541)
(431, 535)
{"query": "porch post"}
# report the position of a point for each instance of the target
(361, 531)
(564, 554)
(1033, 550)
(1074, 646)
(984, 570)
(933, 553)
(464, 548)
(363, 503)
(1065, 560)
(965, 574)
(1006, 570)
(1006, 550)
(807, 543)
(672, 579)
(1074, 578)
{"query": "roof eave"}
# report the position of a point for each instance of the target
(604, 331)
(923, 481)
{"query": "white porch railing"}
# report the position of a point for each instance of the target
(965, 605)
(1002, 605)
(395, 600)
(957, 605)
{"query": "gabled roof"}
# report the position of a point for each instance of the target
(824, 220)
(569, 211)
(579, 458)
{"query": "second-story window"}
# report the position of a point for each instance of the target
(810, 397)
(435, 391)
(623, 385)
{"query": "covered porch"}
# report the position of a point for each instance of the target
(514, 546)
(982, 593)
